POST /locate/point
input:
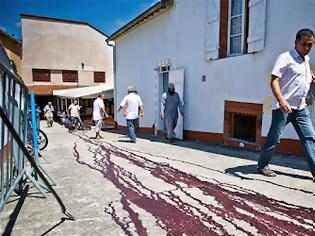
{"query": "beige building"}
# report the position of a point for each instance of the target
(13, 48)
(59, 54)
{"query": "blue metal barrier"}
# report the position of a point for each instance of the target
(14, 104)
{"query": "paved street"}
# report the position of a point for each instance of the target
(114, 187)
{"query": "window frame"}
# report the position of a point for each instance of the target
(243, 29)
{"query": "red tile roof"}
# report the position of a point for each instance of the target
(47, 89)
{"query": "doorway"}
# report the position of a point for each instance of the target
(163, 82)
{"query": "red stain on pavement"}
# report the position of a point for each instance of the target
(178, 217)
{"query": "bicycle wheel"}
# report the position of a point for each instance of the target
(42, 140)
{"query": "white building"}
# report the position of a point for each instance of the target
(225, 49)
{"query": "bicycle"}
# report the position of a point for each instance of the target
(42, 138)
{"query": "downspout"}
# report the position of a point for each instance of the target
(114, 80)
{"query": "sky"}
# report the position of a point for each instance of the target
(105, 15)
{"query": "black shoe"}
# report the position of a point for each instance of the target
(266, 171)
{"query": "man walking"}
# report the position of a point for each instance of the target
(49, 114)
(74, 112)
(290, 81)
(98, 114)
(170, 103)
(132, 105)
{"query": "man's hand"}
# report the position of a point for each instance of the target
(313, 79)
(284, 106)
(162, 116)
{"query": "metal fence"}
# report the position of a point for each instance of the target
(14, 104)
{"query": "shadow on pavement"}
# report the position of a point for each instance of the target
(13, 217)
(291, 161)
(55, 226)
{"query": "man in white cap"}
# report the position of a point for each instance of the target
(170, 103)
(132, 104)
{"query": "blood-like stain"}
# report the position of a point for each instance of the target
(233, 206)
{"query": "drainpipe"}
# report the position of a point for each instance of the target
(112, 44)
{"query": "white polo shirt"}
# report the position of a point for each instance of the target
(295, 80)
(97, 112)
(131, 102)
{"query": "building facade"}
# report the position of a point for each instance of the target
(13, 48)
(226, 50)
(61, 54)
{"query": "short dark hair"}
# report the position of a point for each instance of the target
(304, 32)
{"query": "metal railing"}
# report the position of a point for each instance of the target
(14, 105)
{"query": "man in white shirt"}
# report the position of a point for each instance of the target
(74, 111)
(49, 114)
(290, 82)
(132, 104)
(98, 114)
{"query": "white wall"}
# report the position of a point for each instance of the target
(179, 35)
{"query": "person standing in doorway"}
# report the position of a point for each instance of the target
(98, 114)
(290, 81)
(132, 106)
(170, 103)
(49, 114)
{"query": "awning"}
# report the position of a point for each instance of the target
(86, 92)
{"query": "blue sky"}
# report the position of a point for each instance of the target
(106, 15)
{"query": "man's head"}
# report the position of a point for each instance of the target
(102, 96)
(132, 89)
(75, 102)
(49, 104)
(304, 41)
(171, 88)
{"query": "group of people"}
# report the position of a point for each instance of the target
(291, 79)
(72, 113)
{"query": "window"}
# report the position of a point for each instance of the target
(237, 27)
(99, 77)
(69, 76)
(41, 75)
(242, 123)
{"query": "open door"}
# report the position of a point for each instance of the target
(177, 78)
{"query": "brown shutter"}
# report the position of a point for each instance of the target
(99, 77)
(69, 76)
(41, 75)
(224, 22)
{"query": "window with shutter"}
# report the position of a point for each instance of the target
(41, 75)
(99, 77)
(237, 30)
(70, 76)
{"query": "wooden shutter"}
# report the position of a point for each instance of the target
(212, 30)
(99, 77)
(69, 76)
(257, 26)
(41, 75)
